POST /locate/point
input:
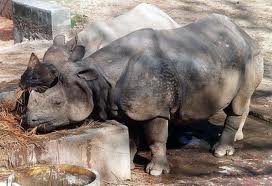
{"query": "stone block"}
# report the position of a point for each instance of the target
(35, 19)
(104, 149)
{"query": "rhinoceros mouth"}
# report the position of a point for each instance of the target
(39, 123)
(46, 127)
(49, 126)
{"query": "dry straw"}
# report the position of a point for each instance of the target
(11, 132)
(12, 135)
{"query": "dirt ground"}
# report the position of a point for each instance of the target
(192, 163)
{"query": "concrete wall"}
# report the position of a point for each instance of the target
(35, 19)
(104, 149)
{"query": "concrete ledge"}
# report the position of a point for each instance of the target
(35, 19)
(104, 149)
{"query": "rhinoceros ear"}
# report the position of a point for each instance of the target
(88, 74)
(33, 61)
(59, 40)
(77, 53)
(72, 43)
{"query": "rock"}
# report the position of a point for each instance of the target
(35, 19)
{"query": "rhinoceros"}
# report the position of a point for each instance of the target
(152, 77)
(101, 33)
(94, 37)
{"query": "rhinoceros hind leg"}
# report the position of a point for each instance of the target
(233, 128)
(239, 134)
(156, 132)
(238, 110)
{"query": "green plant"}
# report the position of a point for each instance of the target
(75, 19)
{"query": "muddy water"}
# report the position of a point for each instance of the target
(54, 178)
(61, 175)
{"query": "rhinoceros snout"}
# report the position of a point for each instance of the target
(32, 120)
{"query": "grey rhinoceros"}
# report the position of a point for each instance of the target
(101, 33)
(94, 37)
(152, 77)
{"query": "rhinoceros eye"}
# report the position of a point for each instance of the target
(54, 82)
(58, 102)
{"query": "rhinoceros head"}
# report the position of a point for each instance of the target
(60, 95)
(60, 52)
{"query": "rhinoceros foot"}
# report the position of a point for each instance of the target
(239, 136)
(220, 150)
(157, 166)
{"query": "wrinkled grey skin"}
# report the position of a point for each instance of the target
(153, 77)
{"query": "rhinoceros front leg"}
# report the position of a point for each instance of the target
(133, 151)
(156, 132)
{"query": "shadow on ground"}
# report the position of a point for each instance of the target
(192, 162)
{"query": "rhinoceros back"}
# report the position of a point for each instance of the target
(100, 34)
(212, 57)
